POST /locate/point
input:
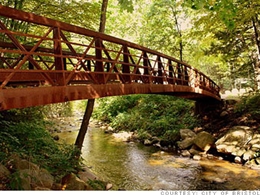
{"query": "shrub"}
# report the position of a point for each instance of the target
(158, 115)
(249, 104)
(31, 140)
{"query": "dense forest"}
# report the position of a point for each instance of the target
(219, 38)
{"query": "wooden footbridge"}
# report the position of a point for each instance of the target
(44, 61)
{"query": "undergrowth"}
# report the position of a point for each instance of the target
(23, 132)
(156, 115)
(250, 105)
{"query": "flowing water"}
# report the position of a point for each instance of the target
(132, 166)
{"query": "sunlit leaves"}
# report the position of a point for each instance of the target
(232, 35)
(126, 5)
(77, 12)
(226, 9)
(165, 23)
(124, 24)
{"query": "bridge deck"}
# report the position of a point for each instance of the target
(44, 61)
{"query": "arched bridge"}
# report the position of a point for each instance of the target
(45, 61)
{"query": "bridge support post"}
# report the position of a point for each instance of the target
(58, 61)
(99, 63)
(208, 107)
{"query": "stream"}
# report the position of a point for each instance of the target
(133, 166)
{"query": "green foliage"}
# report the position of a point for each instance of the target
(15, 182)
(58, 109)
(37, 113)
(250, 104)
(164, 31)
(82, 13)
(232, 37)
(156, 115)
(30, 139)
(109, 108)
(28, 114)
(226, 9)
(126, 5)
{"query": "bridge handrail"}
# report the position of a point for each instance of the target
(162, 72)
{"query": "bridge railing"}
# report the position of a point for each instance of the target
(37, 51)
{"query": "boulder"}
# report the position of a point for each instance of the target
(45, 179)
(187, 133)
(238, 151)
(72, 182)
(28, 175)
(148, 142)
(86, 175)
(21, 164)
(248, 155)
(109, 186)
(194, 150)
(186, 143)
(123, 136)
(227, 149)
(4, 172)
(238, 160)
(235, 141)
(185, 153)
(29, 179)
(23, 179)
(204, 140)
(103, 127)
(255, 141)
(237, 135)
(196, 157)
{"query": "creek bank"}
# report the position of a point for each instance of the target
(217, 167)
(25, 175)
(207, 142)
(239, 144)
(21, 174)
(214, 173)
(225, 136)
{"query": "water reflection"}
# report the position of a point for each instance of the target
(132, 166)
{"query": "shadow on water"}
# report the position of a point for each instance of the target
(132, 166)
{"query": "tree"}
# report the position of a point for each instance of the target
(81, 13)
(235, 26)
(91, 102)
(163, 30)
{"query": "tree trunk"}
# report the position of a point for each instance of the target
(103, 17)
(85, 123)
(174, 12)
(90, 105)
(257, 57)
